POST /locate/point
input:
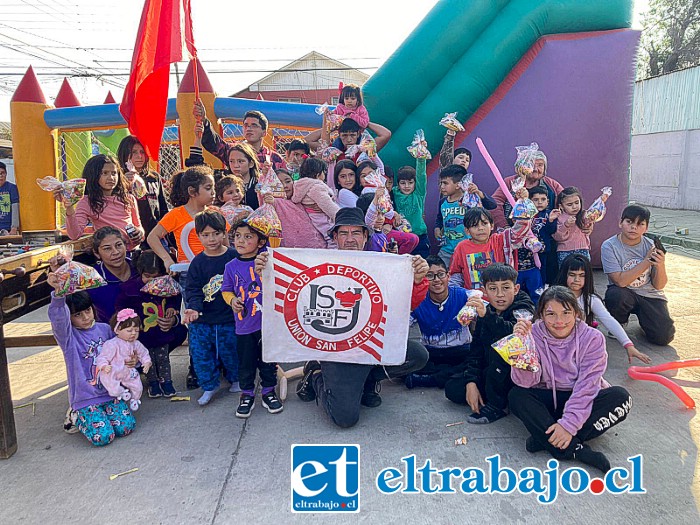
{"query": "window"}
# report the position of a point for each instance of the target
(290, 99)
(334, 101)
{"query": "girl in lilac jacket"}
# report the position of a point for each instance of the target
(566, 402)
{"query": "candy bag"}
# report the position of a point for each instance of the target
(525, 161)
(468, 312)
(419, 147)
(333, 121)
(73, 189)
(450, 122)
(376, 180)
(351, 151)
(517, 352)
(524, 209)
(164, 286)
(368, 145)
(330, 154)
(320, 110)
(269, 182)
(138, 187)
(266, 221)
(212, 287)
(75, 276)
(469, 200)
(405, 226)
(597, 210)
(235, 214)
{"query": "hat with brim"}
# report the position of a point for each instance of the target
(349, 217)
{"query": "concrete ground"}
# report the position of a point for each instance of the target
(202, 465)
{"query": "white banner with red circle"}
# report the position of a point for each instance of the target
(332, 305)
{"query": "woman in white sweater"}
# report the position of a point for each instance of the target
(576, 273)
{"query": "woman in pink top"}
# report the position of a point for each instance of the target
(106, 202)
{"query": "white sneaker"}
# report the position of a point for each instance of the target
(206, 397)
(235, 387)
(70, 422)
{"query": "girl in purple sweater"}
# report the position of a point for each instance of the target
(98, 415)
(566, 402)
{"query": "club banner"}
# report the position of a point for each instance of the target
(332, 305)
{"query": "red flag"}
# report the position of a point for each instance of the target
(164, 36)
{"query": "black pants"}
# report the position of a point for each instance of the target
(494, 386)
(250, 361)
(652, 313)
(160, 369)
(443, 363)
(339, 386)
(535, 408)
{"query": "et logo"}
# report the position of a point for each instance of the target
(325, 478)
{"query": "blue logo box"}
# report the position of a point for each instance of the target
(325, 478)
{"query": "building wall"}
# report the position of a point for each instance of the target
(294, 95)
(665, 156)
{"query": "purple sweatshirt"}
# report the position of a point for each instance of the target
(80, 351)
(576, 363)
(241, 280)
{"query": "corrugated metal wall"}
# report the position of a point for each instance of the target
(667, 103)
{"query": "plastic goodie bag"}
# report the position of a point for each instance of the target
(517, 352)
(138, 187)
(468, 312)
(525, 160)
(524, 209)
(368, 145)
(164, 286)
(597, 210)
(266, 221)
(419, 147)
(450, 122)
(330, 154)
(235, 213)
(469, 200)
(377, 180)
(269, 182)
(212, 287)
(75, 276)
(73, 189)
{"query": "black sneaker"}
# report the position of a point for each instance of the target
(273, 405)
(487, 414)
(154, 389)
(370, 396)
(192, 381)
(245, 406)
(419, 380)
(305, 390)
(168, 389)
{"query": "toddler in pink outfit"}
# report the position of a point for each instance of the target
(350, 105)
(121, 381)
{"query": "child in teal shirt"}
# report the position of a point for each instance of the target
(409, 197)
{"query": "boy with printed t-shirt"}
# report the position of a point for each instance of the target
(449, 226)
(636, 273)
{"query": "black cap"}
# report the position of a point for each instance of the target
(349, 217)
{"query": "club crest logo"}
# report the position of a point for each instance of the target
(330, 307)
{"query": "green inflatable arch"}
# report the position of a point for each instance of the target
(461, 52)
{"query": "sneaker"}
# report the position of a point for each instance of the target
(134, 405)
(168, 389)
(305, 390)
(154, 389)
(192, 381)
(206, 397)
(70, 422)
(532, 446)
(419, 380)
(370, 396)
(125, 396)
(235, 387)
(487, 414)
(272, 404)
(245, 406)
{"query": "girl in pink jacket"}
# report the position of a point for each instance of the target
(316, 196)
(566, 402)
(350, 106)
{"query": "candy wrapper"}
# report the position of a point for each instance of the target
(351, 151)
(376, 180)
(468, 312)
(368, 145)
(405, 226)
(524, 209)
(164, 286)
(212, 287)
(525, 161)
(469, 200)
(266, 221)
(138, 187)
(533, 244)
(419, 147)
(75, 276)
(597, 210)
(269, 182)
(330, 154)
(73, 189)
(517, 352)
(450, 122)
(235, 214)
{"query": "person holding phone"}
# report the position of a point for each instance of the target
(636, 270)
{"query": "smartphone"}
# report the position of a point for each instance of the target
(657, 243)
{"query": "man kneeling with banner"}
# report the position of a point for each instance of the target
(345, 312)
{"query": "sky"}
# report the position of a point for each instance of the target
(91, 41)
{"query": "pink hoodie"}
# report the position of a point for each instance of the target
(317, 199)
(575, 364)
(570, 237)
(358, 114)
